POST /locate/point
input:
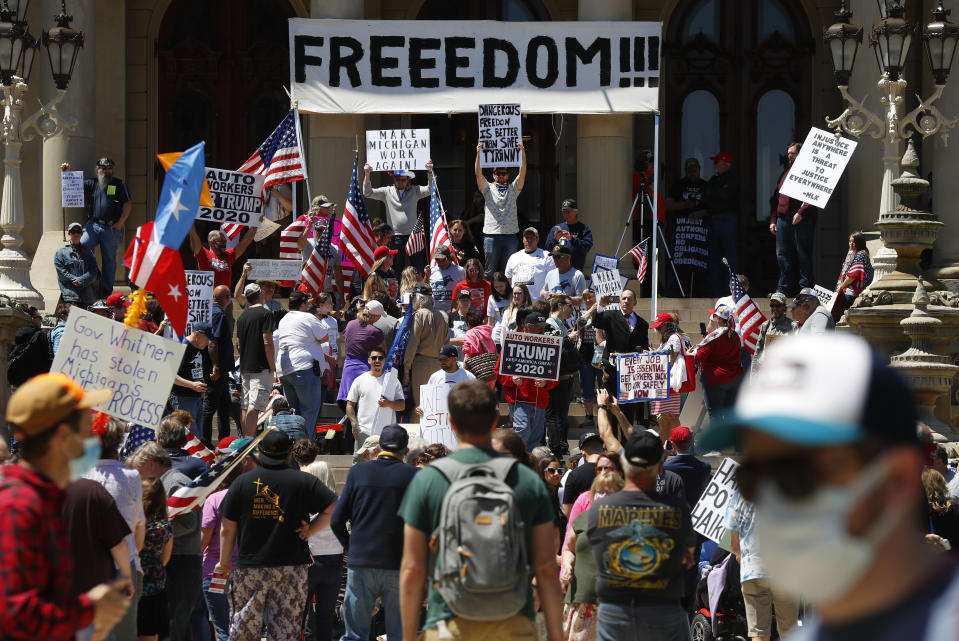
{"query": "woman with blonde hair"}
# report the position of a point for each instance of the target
(408, 279)
(324, 575)
(943, 512)
(578, 570)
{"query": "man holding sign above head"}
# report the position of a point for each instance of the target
(400, 200)
(218, 258)
(501, 223)
(529, 265)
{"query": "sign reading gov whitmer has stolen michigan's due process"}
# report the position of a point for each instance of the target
(138, 366)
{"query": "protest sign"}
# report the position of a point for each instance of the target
(817, 170)
(691, 243)
(392, 149)
(709, 515)
(71, 189)
(267, 227)
(435, 422)
(642, 377)
(826, 296)
(531, 356)
(138, 366)
(606, 281)
(275, 269)
(601, 261)
(237, 197)
(500, 129)
(430, 66)
(199, 285)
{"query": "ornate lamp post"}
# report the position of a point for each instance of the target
(890, 40)
(17, 51)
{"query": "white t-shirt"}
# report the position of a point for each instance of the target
(494, 308)
(333, 332)
(365, 392)
(298, 333)
(443, 282)
(501, 214)
(572, 283)
(529, 269)
(441, 376)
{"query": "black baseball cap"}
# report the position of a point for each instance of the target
(570, 203)
(394, 438)
(106, 162)
(589, 436)
(448, 351)
(422, 288)
(537, 320)
(274, 448)
(644, 448)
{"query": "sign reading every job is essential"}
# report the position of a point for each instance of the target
(275, 269)
(199, 286)
(393, 149)
(71, 189)
(642, 377)
(709, 515)
(435, 422)
(138, 366)
(237, 197)
(531, 356)
(500, 129)
(818, 168)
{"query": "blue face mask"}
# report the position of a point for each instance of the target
(88, 460)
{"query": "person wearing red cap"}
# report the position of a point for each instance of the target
(382, 266)
(722, 200)
(672, 341)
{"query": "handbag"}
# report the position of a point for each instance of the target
(682, 377)
(482, 366)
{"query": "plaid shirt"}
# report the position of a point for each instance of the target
(36, 569)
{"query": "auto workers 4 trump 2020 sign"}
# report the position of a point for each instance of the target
(427, 66)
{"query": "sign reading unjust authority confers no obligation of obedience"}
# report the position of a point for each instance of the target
(531, 356)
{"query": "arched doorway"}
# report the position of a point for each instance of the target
(739, 79)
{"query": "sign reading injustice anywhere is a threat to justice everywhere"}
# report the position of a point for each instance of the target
(138, 366)
(500, 129)
(818, 168)
(709, 515)
(429, 66)
(237, 197)
(199, 286)
(531, 356)
(642, 377)
(71, 189)
(392, 149)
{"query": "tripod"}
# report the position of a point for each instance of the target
(662, 236)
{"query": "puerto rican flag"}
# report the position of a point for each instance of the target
(749, 317)
(154, 254)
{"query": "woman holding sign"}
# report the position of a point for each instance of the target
(672, 341)
(719, 362)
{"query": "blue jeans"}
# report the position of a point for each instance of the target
(109, 240)
(794, 254)
(587, 382)
(193, 405)
(497, 248)
(324, 579)
(642, 622)
(723, 243)
(218, 605)
(304, 391)
(529, 422)
(184, 576)
(719, 397)
(363, 585)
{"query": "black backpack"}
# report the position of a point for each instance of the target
(29, 355)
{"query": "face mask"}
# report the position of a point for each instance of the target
(88, 460)
(805, 545)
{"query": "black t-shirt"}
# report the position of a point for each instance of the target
(223, 331)
(578, 481)
(195, 367)
(94, 526)
(268, 505)
(250, 327)
(638, 540)
(686, 189)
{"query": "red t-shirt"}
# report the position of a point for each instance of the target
(222, 268)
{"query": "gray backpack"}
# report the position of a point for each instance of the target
(480, 562)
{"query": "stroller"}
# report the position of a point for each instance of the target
(727, 622)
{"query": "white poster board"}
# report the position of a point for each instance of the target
(818, 168)
(138, 366)
(500, 129)
(826, 296)
(642, 377)
(709, 515)
(392, 149)
(237, 197)
(199, 285)
(435, 422)
(431, 66)
(275, 269)
(606, 281)
(71, 189)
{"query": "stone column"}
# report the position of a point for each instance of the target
(945, 192)
(331, 138)
(604, 152)
(77, 147)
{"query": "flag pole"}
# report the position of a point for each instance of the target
(654, 294)
(299, 142)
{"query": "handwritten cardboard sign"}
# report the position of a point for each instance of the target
(500, 129)
(709, 515)
(199, 286)
(435, 422)
(275, 269)
(71, 189)
(642, 377)
(392, 149)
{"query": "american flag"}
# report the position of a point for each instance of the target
(267, 414)
(748, 315)
(314, 272)
(439, 235)
(394, 359)
(191, 496)
(278, 158)
(415, 244)
(231, 230)
(194, 447)
(356, 232)
(639, 254)
(138, 435)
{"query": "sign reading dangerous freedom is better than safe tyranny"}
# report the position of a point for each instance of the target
(429, 66)
(818, 168)
(500, 129)
(199, 286)
(138, 366)
(392, 149)
(531, 356)
(237, 197)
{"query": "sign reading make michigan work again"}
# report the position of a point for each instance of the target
(429, 66)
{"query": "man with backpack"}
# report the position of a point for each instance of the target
(484, 524)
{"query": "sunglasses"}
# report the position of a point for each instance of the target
(75, 231)
(797, 477)
(554, 470)
(771, 305)
(501, 173)
(377, 358)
